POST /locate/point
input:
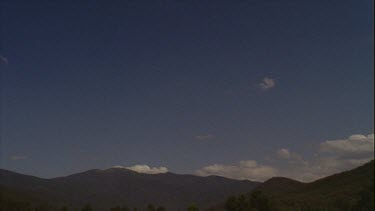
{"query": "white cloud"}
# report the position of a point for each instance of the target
(355, 144)
(267, 83)
(145, 169)
(291, 157)
(248, 169)
(204, 137)
(18, 157)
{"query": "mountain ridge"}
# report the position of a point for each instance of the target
(115, 186)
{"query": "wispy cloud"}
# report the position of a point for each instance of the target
(18, 157)
(3, 60)
(267, 83)
(204, 137)
(247, 169)
(145, 169)
(292, 157)
(283, 153)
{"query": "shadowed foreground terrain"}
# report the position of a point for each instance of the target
(121, 189)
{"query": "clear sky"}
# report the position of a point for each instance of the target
(182, 84)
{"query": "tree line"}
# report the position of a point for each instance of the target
(10, 205)
(258, 201)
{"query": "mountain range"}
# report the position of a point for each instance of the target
(103, 189)
(112, 187)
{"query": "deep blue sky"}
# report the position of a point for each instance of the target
(93, 84)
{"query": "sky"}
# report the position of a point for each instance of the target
(246, 89)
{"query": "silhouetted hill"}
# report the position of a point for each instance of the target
(116, 186)
(349, 190)
(334, 192)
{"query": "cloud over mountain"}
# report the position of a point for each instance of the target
(332, 156)
(145, 169)
(355, 144)
(248, 169)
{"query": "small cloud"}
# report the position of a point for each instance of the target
(145, 169)
(267, 83)
(292, 157)
(18, 157)
(204, 137)
(247, 169)
(283, 153)
(3, 60)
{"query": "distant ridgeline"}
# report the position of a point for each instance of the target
(351, 191)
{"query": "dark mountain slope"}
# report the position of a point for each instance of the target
(107, 188)
(349, 190)
(281, 185)
(334, 192)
